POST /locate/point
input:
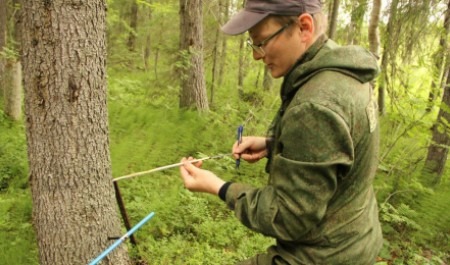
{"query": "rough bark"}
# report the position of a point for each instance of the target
(193, 87)
(74, 209)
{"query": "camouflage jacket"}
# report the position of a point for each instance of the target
(319, 203)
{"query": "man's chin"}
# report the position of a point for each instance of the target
(276, 74)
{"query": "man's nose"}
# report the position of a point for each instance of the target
(257, 55)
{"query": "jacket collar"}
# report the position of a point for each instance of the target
(288, 89)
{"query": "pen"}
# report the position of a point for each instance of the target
(239, 140)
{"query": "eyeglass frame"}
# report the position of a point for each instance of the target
(258, 47)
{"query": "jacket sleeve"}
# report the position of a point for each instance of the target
(314, 150)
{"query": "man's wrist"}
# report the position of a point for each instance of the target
(269, 141)
(223, 190)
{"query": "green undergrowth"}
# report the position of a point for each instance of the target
(188, 228)
(147, 130)
(17, 244)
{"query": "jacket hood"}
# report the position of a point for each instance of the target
(326, 55)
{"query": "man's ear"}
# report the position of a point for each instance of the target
(307, 28)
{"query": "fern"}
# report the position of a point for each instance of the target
(434, 218)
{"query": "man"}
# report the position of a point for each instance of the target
(322, 146)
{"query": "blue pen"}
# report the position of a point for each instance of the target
(239, 140)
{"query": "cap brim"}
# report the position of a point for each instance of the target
(242, 22)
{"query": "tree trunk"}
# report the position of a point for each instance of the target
(223, 54)
(241, 67)
(193, 87)
(440, 60)
(374, 36)
(438, 148)
(74, 209)
(333, 19)
(133, 26)
(12, 78)
(147, 49)
(216, 58)
(356, 21)
(156, 50)
(386, 57)
(3, 21)
(13, 90)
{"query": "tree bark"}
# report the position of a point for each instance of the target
(216, 58)
(333, 19)
(74, 208)
(441, 57)
(148, 39)
(12, 77)
(438, 148)
(241, 67)
(356, 21)
(386, 57)
(225, 14)
(13, 90)
(193, 87)
(374, 35)
(3, 30)
(133, 26)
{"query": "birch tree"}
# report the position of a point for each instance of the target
(440, 59)
(374, 35)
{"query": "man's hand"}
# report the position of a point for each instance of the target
(251, 149)
(199, 180)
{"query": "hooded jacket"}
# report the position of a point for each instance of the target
(319, 203)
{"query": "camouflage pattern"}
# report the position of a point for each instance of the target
(319, 203)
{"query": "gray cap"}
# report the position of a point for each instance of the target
(256, 10)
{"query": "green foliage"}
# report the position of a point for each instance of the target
(415, 227)
(9, 54)
(147, 130)
(192, 229)
(18, 244)
(433, 209)
(13, 160)
(146, 133)
(400, 220)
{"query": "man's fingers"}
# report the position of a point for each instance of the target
(198, 164)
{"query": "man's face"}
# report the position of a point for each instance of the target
(280, 52)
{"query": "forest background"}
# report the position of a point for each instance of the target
(150, 125)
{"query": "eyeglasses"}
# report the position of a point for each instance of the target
(259, 47)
